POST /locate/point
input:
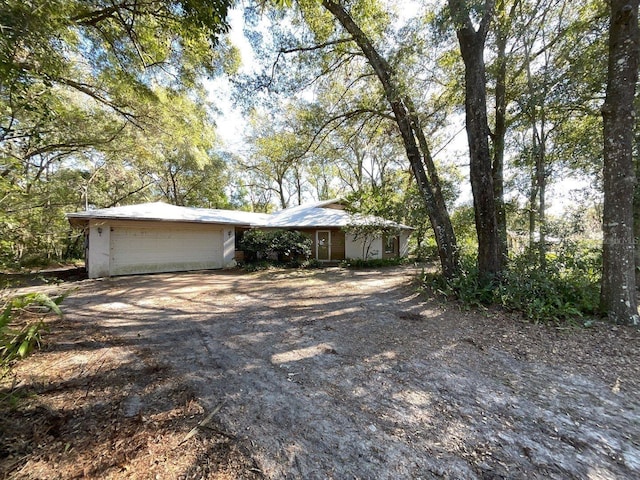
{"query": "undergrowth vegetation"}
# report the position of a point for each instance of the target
(22, 325)
(373, 262)
(259, 265)
(565, 288)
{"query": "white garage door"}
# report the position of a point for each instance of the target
(165, 249)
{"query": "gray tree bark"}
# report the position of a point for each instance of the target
(636, 212)
(499, 134)
(472, 43)
(618, 292)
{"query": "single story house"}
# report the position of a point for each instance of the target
(158, 237)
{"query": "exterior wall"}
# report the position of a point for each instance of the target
(337, 242)
(404, 243)
(229, 247)
(338, 245)
(354, 248)
(376, 250)
(99, 249)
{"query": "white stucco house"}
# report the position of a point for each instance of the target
(157, 237)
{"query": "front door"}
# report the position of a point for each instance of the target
(323, 246)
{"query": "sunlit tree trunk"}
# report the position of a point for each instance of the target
(533, 195)
(505, 12)
(537, 116)
(618, 293)
(298, 177)
(281, 195)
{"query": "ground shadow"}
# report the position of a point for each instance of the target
(338, 373)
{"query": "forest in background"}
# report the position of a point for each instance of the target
(105, 103)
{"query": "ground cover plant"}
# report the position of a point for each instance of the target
(22, 324)
(564, 288)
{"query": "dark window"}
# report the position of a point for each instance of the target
(239, 235)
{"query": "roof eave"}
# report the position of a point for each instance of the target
(79, 220)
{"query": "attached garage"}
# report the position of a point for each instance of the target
(163, 248)
(156, 237)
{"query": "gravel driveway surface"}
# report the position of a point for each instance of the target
(351, 374)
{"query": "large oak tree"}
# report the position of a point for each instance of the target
(618, 296)
(472, 47)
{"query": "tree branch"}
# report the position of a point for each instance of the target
(89, 90)
(316, 47)
(92, 18)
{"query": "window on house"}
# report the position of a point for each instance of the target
(390, 245)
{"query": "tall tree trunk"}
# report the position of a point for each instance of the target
(541, 180)
(538, 149)
(636, 210)
(298, 186)
(618, 293)
(472, 43)
(281, 197)
(499, 134)
(504, 22)
(174, 187)
(408, 125)
(533, 195)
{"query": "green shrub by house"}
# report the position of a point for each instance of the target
(280, 245)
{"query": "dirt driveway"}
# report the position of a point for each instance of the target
(348, 375)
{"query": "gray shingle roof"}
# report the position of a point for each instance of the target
(323, 214)
(320, 214)
(171, 213)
